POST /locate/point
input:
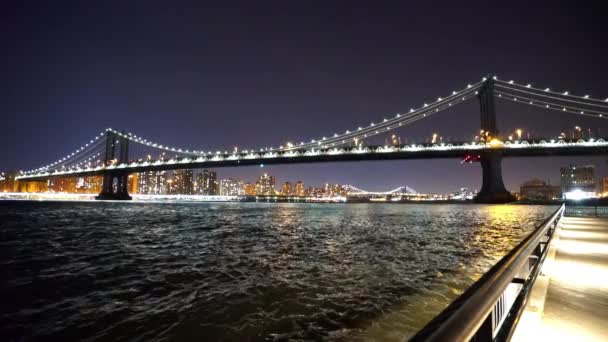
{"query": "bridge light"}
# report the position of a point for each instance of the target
(586, 96)
(454, 92)
(547, 89)
(565, 93)
(528, 86)
(511, 82)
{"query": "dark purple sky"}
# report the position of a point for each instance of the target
(212, 75)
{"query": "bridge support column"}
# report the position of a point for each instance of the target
(114, 186)
(492, 188)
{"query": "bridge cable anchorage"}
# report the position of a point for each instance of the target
(377, 128)
(562, 99)
(551, 105)
(549, 91)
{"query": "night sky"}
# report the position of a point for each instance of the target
(214, 75)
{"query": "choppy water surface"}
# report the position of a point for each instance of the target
(242, 271)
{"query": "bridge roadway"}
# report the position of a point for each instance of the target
(524, 148)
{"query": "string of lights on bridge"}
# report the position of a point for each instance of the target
(552, 100)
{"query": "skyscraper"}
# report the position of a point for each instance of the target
(152, 183)
(206, 183)
(287, 189)
(250, 189)
(299, 189)
(578, 178)
(265, 185)
(183, 183)
(232, 187)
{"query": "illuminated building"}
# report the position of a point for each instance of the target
(287, 189)
(63, 184)
(182, 182)
(31, 186)
(605, 186)
(133, 183)
(206, 183)
(250, 189)
(578, 180)
(152, 183)
(7, 182)
(299, 189)
(537, 189)
(394, 140)
(231, 187)
(265, 185)
(92, 184)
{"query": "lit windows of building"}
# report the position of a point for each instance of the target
(578, 180)
(232, 187)
(287, 189)
(299, 189)
(183, 183)
(152, 183)
(265, 185)
(250, 189)
(207, 183)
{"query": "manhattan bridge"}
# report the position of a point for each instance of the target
(115, 154)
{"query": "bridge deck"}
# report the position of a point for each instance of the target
(573, 304)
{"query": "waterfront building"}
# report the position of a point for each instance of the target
(265, 185)
(7, 182)
(250, 189)
(539, 190)
(232, 187)
(578, 181)
(133, 183)
(299, 189)
(182, 182)
(87, 185)
(63, 184)
(605, 186)
(207, 183)
(287, 189)
(152, 183)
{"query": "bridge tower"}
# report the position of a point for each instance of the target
(114, 186)
(492, 187)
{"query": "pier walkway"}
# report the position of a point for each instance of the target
(569, 301)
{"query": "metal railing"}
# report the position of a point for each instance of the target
(490, 308)
(586, 211)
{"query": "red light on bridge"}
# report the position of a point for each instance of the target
(470, 159)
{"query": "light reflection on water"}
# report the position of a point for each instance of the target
(243, 271)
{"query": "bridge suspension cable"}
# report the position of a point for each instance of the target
(562, 102)
(551, 105)
(84, 152)
(393, 123)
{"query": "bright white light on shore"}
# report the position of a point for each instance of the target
(578, 194)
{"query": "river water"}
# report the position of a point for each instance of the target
(242, 271)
